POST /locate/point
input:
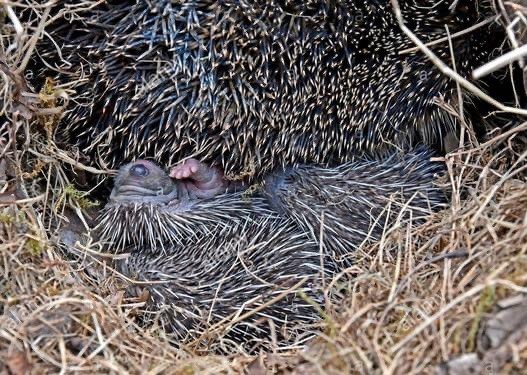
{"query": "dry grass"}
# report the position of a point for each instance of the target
(418, 298)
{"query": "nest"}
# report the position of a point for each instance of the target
(419, 301)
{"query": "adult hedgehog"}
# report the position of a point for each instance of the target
(251, 85)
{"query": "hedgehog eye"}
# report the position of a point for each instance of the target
(160, 191)
(139, 170)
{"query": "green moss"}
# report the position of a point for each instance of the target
(331, 330)
(48, 99)
(186, 370)
(77, 197)
(248, 193)
(34, 247)
(486, 301)
(7, 219)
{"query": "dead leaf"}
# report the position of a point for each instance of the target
(18, 363)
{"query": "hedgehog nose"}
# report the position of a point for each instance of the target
(139, 170)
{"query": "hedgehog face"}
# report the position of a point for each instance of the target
(143, 181)
(281, 186)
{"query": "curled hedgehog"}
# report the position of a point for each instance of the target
(252, 86)
(251, 268)
(352, 204)
(224, 268)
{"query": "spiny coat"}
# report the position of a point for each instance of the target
(252, 85)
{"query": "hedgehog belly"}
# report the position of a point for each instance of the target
(255, 85)
(354, 203)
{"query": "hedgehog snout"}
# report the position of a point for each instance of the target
(277, 181)
(277, 187)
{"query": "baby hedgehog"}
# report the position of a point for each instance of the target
(248, 269)
(225, 271)
(355, 203)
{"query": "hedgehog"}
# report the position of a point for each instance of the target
(149, 208)
(244, 275)
(209, 260)
(239, 287)
(252, 86)
(353, 204)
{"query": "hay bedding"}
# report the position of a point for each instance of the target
(421, 297)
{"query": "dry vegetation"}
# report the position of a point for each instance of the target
(419, 298)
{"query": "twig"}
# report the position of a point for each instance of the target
(447, 70)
